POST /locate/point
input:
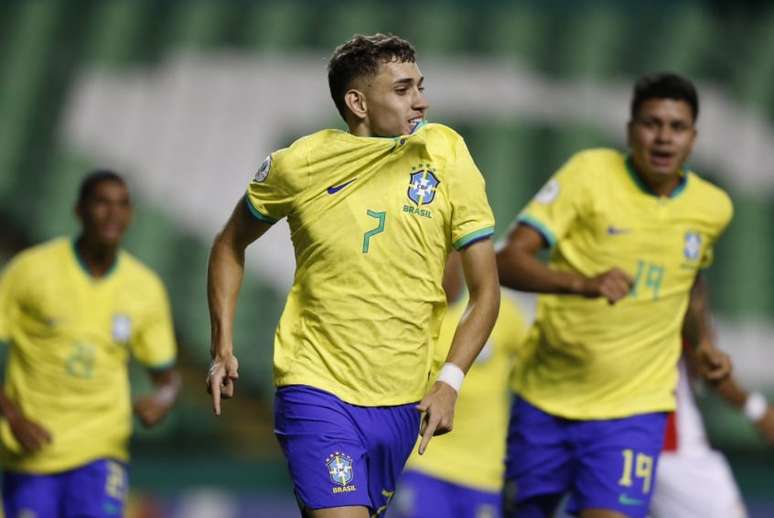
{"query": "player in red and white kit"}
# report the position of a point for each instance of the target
(694, 480)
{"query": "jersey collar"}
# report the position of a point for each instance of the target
(84, 267)
(677, 191)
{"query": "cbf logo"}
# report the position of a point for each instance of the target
(422, 185)
(692, 248)
(121, 328)
(340, 470)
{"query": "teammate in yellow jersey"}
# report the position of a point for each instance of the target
(628, 235)
(72, 312)
(373, 213)
(462, 474)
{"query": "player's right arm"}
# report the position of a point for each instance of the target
(562, 204)
(520, 269)
(31, 435)
(224, 278)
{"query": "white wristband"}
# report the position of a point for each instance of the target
(755, 407)
(452, 376)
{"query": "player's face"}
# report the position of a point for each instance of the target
(106, 213)
(395, 100)
(661, 137)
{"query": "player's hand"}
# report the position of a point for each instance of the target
(765, 426)
(31, 435)
(714, 365)
(221, 379)
(151, 409)
(438, 412)
(613, 285)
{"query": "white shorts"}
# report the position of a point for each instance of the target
(697, 484)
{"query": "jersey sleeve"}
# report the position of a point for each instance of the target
(154, 344)
(10, 281)
(275, 185)
(560, 202)
(5, 297)
(472, 218)
(725, 209)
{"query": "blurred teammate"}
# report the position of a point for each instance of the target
(462, 474)
(72, 311)
(695, 481)
(628, 235)
(373, 213)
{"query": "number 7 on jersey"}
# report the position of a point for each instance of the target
(380, 216)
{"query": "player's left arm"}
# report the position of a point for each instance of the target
(478, 263)
(152, 408)
(713, 364)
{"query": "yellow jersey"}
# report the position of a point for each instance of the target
(70, 337)
(473, 453)
(372, 221)
(597, 361)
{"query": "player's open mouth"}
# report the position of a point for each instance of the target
(661, 158)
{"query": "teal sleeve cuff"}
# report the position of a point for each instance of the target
(473, 237)
(256, 214)
(544, 231)
(161, 367)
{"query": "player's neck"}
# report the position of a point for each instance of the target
(360, 129)
(659, 184)
(662, 185)
(96, 258)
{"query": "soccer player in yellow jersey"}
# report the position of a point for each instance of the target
(462, 474)
(72, 311)
(373, 213)
(628, 235)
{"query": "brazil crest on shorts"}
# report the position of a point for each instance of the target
(340, 468)
(422, 186)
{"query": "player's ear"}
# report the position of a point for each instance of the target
(356, 102)
(629, 129)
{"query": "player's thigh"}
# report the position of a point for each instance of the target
(338, 512)
(31, 495)
(697, 484)
(390, 434)
(539, 460)
(96, 490)
(617, 459)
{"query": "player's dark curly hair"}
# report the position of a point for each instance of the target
(664, 85)
(92, 179)
(361, 56)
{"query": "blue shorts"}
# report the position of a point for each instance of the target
(341, 454)
(95, 490)
(424, 496)
(604, 464)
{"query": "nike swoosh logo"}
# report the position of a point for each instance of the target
(617, 231)
(627, 500)
(333, 189)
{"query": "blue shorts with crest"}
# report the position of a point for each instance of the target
(95, 490)
(340, 454)
(603, 464)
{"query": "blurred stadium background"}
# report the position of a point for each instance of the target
(187, 97)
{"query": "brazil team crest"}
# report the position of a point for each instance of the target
(692, 247)
(340, 468)
(121, 328)
(422, 185)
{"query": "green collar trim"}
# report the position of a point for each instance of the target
(85, 267)
(677, 191)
